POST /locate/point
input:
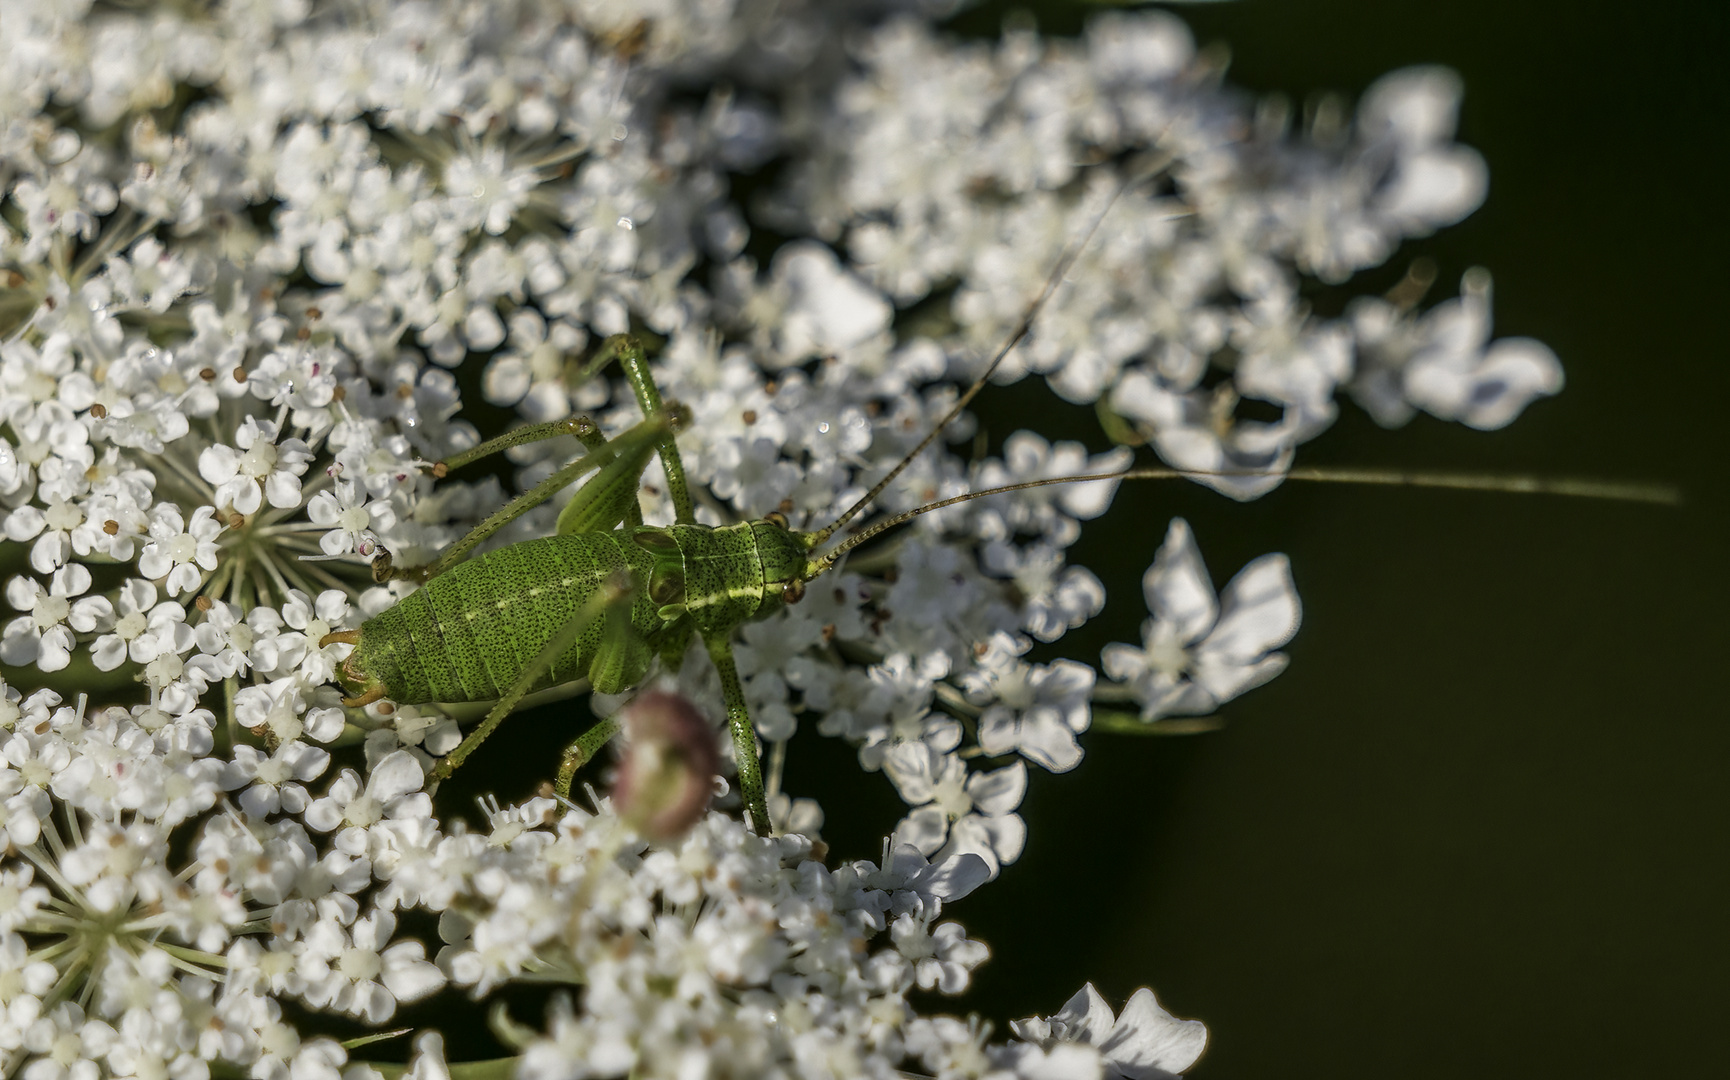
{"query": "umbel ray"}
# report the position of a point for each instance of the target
(606, 594)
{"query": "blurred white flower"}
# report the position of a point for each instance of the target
(1144, 1042)
(1460, 375)
(1199, 650)
(826, 311)
(1197, 432)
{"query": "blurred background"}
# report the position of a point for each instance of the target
(1479, 824)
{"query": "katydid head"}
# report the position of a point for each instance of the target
(786, 555)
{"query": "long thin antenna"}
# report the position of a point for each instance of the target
(1660, 494)
(1014, 339)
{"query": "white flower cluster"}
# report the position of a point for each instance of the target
(253, 253)
(722, 954)
(971, 169)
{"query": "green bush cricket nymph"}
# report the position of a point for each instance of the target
(606, 594)
(600, 599)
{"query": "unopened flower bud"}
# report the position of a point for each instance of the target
(667, 770)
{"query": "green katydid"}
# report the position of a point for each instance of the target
(602, 597)
(606, 594)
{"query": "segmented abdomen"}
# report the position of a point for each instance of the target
(470, 632)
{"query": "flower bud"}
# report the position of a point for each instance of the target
(667, 769)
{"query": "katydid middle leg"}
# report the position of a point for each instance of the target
(581, 752)
(743, 732)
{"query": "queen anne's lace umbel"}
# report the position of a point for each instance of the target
(245, 250)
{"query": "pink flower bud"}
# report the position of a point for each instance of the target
(667, 770)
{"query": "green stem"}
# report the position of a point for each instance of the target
(1112, 722)
(496, 1069)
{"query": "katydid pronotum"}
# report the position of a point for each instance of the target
(607, 594)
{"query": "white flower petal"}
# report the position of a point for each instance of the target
(1177, 587)
(1227, 680)
(282, 489)
(1050, 743)
(923, 828)
(398, 774)
(1148, 1043)
(1259, 612)
(998, 791)
(1085, 1017)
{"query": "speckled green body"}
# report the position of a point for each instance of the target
(470, 632)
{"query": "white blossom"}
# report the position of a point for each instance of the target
(178, 549)
(260, 470)
(1144, 1042)
(358, 971)
(1199, 649)
(956, 812)
(45, 636)
(1034, 710)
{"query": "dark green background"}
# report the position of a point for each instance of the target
(1477, 827)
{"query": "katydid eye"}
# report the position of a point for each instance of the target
(776, 518)
(793, 592)
(667, 585)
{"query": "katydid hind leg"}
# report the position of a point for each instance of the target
(607, 598)
(610, 496)
(593, 440)
(648, 395)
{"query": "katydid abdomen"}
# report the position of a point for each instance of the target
(468, 634)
